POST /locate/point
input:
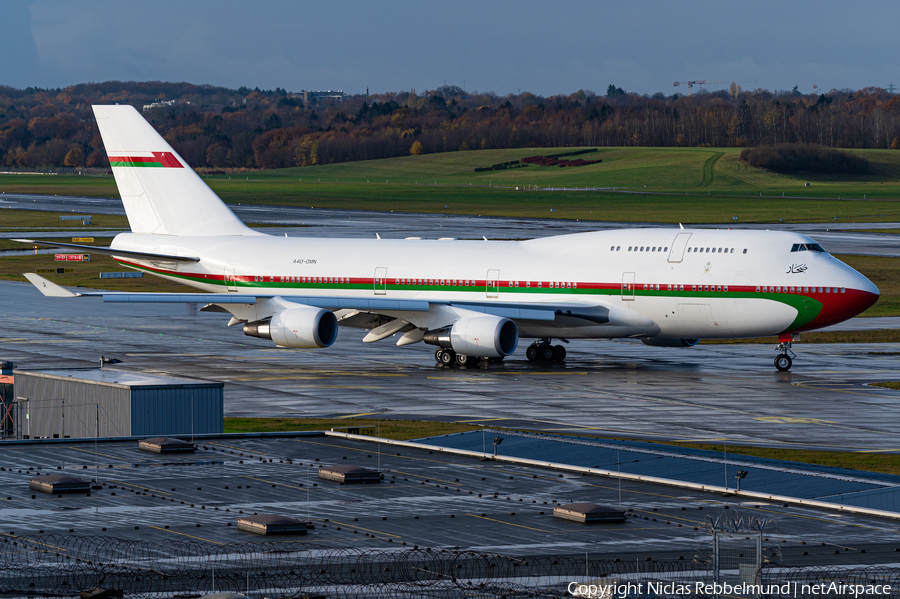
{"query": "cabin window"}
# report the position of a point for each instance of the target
(618, 247)
(612, 248)
(574, 285)
(745, 250)
(528, 283)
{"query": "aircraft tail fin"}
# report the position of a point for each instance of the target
(161, 193)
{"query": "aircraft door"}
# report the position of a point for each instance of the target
(676, 254)
(627, 286)
(230, 280)
(381, 280)
(492, 285)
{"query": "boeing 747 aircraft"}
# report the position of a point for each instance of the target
(474, 300)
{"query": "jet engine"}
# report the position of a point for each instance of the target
(669, 342)
(482, 336)
(301, 327)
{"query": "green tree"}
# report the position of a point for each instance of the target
(75, 157)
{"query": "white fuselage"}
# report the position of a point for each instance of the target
(667, 283)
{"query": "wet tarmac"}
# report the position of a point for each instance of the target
(622, 388)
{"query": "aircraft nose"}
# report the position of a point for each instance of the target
(868, 286)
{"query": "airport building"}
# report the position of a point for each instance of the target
(111, 402)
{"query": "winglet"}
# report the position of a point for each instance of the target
(682, 226)
(48, 288)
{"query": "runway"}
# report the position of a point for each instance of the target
(316, 222)
(706, 393)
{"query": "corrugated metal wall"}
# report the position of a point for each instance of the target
(69, 408)
(176, 411)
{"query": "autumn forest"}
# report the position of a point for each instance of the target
(217, 128)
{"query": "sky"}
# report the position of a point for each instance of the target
(545, 47)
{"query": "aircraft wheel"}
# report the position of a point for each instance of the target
(559, 353)
(783, 362)
(446, 357)
(437, 354)
(547, 353)
(532, 353)
(463, 360)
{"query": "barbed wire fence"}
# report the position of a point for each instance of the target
(61, 565)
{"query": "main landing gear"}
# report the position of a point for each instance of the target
(448, 357)
(783, 361)
(542, 351)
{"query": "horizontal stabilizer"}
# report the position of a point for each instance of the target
(107, 251)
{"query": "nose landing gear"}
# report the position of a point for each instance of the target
(783, 361)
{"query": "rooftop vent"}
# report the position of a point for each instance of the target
(166, 445)
(59, 483)
(588, 513)
(271, 524)
(350, 474)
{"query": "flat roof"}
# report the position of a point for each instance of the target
(428, 498)
(118, 377)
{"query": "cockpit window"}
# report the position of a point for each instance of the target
(807, 247)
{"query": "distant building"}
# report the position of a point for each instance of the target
(158, 105)
(311, 96)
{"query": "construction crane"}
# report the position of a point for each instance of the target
(691, 84)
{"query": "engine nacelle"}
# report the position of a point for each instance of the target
(669, 342)
(482, 336)
(302, 327)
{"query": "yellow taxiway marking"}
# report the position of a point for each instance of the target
(480, 420)
(138, 487)
(357, 415)
(186, 535)
(106, 455)
(875, 450)
(31, 541)
(333, 387)
(241, 449)
(274, 378)
(565, 530)
(272, 482)
(794, 420)
(806, 386)
(470, 380)
(387, 534)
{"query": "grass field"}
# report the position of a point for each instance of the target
(398, 430)
(688, 185)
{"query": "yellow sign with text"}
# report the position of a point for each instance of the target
(82, 240)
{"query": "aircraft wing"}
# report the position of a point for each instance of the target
(539, 312)
(108, 251)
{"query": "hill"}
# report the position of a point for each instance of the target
(687, 185)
